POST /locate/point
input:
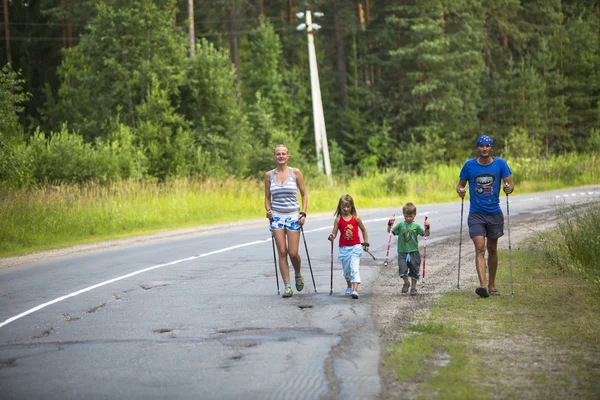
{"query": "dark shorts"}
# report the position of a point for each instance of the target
(487, 225)
(412, 269)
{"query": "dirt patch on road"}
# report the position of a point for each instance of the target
(393, 311)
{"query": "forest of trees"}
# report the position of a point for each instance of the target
(107, 90)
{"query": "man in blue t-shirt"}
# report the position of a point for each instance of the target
(486, 220)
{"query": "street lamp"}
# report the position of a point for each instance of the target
(321, 145)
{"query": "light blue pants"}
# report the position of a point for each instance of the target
(350, 258)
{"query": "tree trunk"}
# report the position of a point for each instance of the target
(173, 17)
(341, 56)
(191, 28)
(7, 33)
(233, 45)
(70, 24)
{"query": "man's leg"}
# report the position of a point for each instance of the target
(479, 242)
(492, 249)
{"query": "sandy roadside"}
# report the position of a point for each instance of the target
(394, 311)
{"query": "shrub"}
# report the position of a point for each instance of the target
(576, 243)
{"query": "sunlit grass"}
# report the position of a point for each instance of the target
(52, 217)
(48, 218)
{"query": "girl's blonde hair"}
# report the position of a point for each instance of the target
(345, 199)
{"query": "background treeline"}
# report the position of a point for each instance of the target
(110, 90)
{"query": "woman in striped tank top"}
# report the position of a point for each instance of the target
(287, 217)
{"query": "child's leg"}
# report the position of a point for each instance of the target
(347, 274)
(344, 257)
(403, 267)
(414, 269)
(355, 269)
(403, 271)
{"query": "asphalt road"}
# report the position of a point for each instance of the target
(198, 316)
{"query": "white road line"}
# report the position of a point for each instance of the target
(87, 289)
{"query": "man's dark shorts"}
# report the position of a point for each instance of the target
(487, 225)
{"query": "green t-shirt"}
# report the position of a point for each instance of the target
(408, 240)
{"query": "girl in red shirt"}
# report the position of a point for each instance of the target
(351, 248)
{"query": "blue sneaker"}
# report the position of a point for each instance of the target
(348, 292)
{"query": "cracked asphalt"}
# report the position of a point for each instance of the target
(195, 313)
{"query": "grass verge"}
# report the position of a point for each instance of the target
(55, 217)
(541, 343)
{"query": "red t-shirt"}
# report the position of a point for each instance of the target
(348, 232)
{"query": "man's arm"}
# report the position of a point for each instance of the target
(508, 185)
(461, 188)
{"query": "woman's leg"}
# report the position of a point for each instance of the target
(293, 239)
(280, 242)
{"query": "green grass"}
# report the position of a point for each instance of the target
(543, 343)
(54, 217)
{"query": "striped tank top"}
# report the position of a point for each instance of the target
(284, 198)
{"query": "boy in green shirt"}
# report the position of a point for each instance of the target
(409, 259)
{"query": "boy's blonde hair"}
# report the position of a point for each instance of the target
(409, 209)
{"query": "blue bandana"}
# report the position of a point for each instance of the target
(483, 139)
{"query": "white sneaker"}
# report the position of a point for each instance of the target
(348, 291)
(354, 295)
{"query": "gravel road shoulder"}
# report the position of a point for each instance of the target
(393, 311)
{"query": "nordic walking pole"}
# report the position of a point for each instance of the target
(424, 255)
(371, 254)
(509, 247)
(308, 258)
(462, 207)
(331, 280)
(387, 252)
(274, 259)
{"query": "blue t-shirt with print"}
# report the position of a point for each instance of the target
(484, 184)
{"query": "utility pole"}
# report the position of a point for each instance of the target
(191, 28)
(322, 148)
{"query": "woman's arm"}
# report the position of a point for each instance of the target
(303, 194)
(301, 188)
(268, 194)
